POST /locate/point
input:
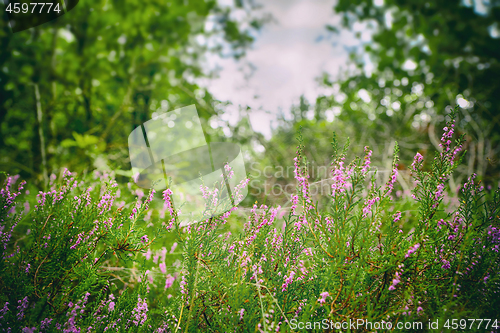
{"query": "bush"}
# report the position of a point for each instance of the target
(368, 257)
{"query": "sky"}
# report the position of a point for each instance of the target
(287, 57)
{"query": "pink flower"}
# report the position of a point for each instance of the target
(412, 250)
(174, 246)
(438, 194)
(169, 281)
(366, 165)
(301, 175)
(295, 200)
(446, 264)
(167, 198)
(323, 297)
(397, 217)
(229, 171)
(288, 281)
(23, 305)
(139, 313)
(139, 193)
(392, 180)
(368, 206)
(394, 283)
(417, 162)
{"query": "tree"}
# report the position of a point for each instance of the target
(428, 56)
(73, 89)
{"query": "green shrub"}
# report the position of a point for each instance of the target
(367, 257)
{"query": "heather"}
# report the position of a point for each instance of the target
(94, 255)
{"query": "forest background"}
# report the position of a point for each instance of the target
(72, 90)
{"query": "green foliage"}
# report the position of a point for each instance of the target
(101, 70)
(364, 256)
(71, 234)
(427, 56)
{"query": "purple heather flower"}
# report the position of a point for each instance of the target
(368, 206)
(23, 305)
(417, 162)
(288, 281)
(412, 250)
(169, 281)
(139, 313)
(45, 323)
(167, 198)
(366, 165)
(295, 200)
(323, 297)
(229, 171)
(4, 310)
(397, 216)
(392, 180)
(174, 246)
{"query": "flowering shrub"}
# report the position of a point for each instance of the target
(367, 256)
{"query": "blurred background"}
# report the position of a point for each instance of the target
(259, 72)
